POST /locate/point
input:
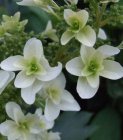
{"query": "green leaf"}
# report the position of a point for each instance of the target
(73, 125)
(109, 125)
(115, 89)
(37, 18)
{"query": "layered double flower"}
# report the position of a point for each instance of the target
(91, 64)
(57, 98)
(24, 127)
(34, 69)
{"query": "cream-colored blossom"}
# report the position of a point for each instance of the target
(77, 28)
(91, 64)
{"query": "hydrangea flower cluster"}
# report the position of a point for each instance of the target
(26, 127)
(38, 79)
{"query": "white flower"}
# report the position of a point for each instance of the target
(50, 32)
(78, 28)
(34, 69)
(57, 98)
(90, 65)
(46, 5)
(21, 127)
(102, 35)
(5, 79)
(73, 1)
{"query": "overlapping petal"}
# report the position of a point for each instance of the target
(10, 107)
(23, 81)
(87, 36)
(12, 63)
(51, 111)
(93, 80)
(68, 13)
(66, 37)
(75, 66)
(52, 73)
(68, 103)
(33, 49)
(84, 89)
(28, 94)
(86, 53)
(108, 50)
(8, 128)
(112, 70)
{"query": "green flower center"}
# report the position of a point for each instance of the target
(53, 93)
(34, 67)
(23, 126)
(75, 25)
(42, 124)
(93, 67)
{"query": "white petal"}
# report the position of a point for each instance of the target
(66, 96)
(49, 124)
(7, 127)
(83, 16)
(108, 50)
(52, 73)
(66, 37)
(75, 66)
(93, 80)
(112, 70)
(68, 13)
(28, 94)
(34, 125)
(51, 111)
(84, 90)
(86, 53)
(18, 115)
(10, 107)
(23, 81)
(59, 81)
(26, 2)
(14, 135)
(68, 103)
(33, 49)
(67, 106)
(4, 76)
(86, 36)
(49, 26)
(102, 34)
(39, 112)
(9, 64)
(10, 78)
(54, 136)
